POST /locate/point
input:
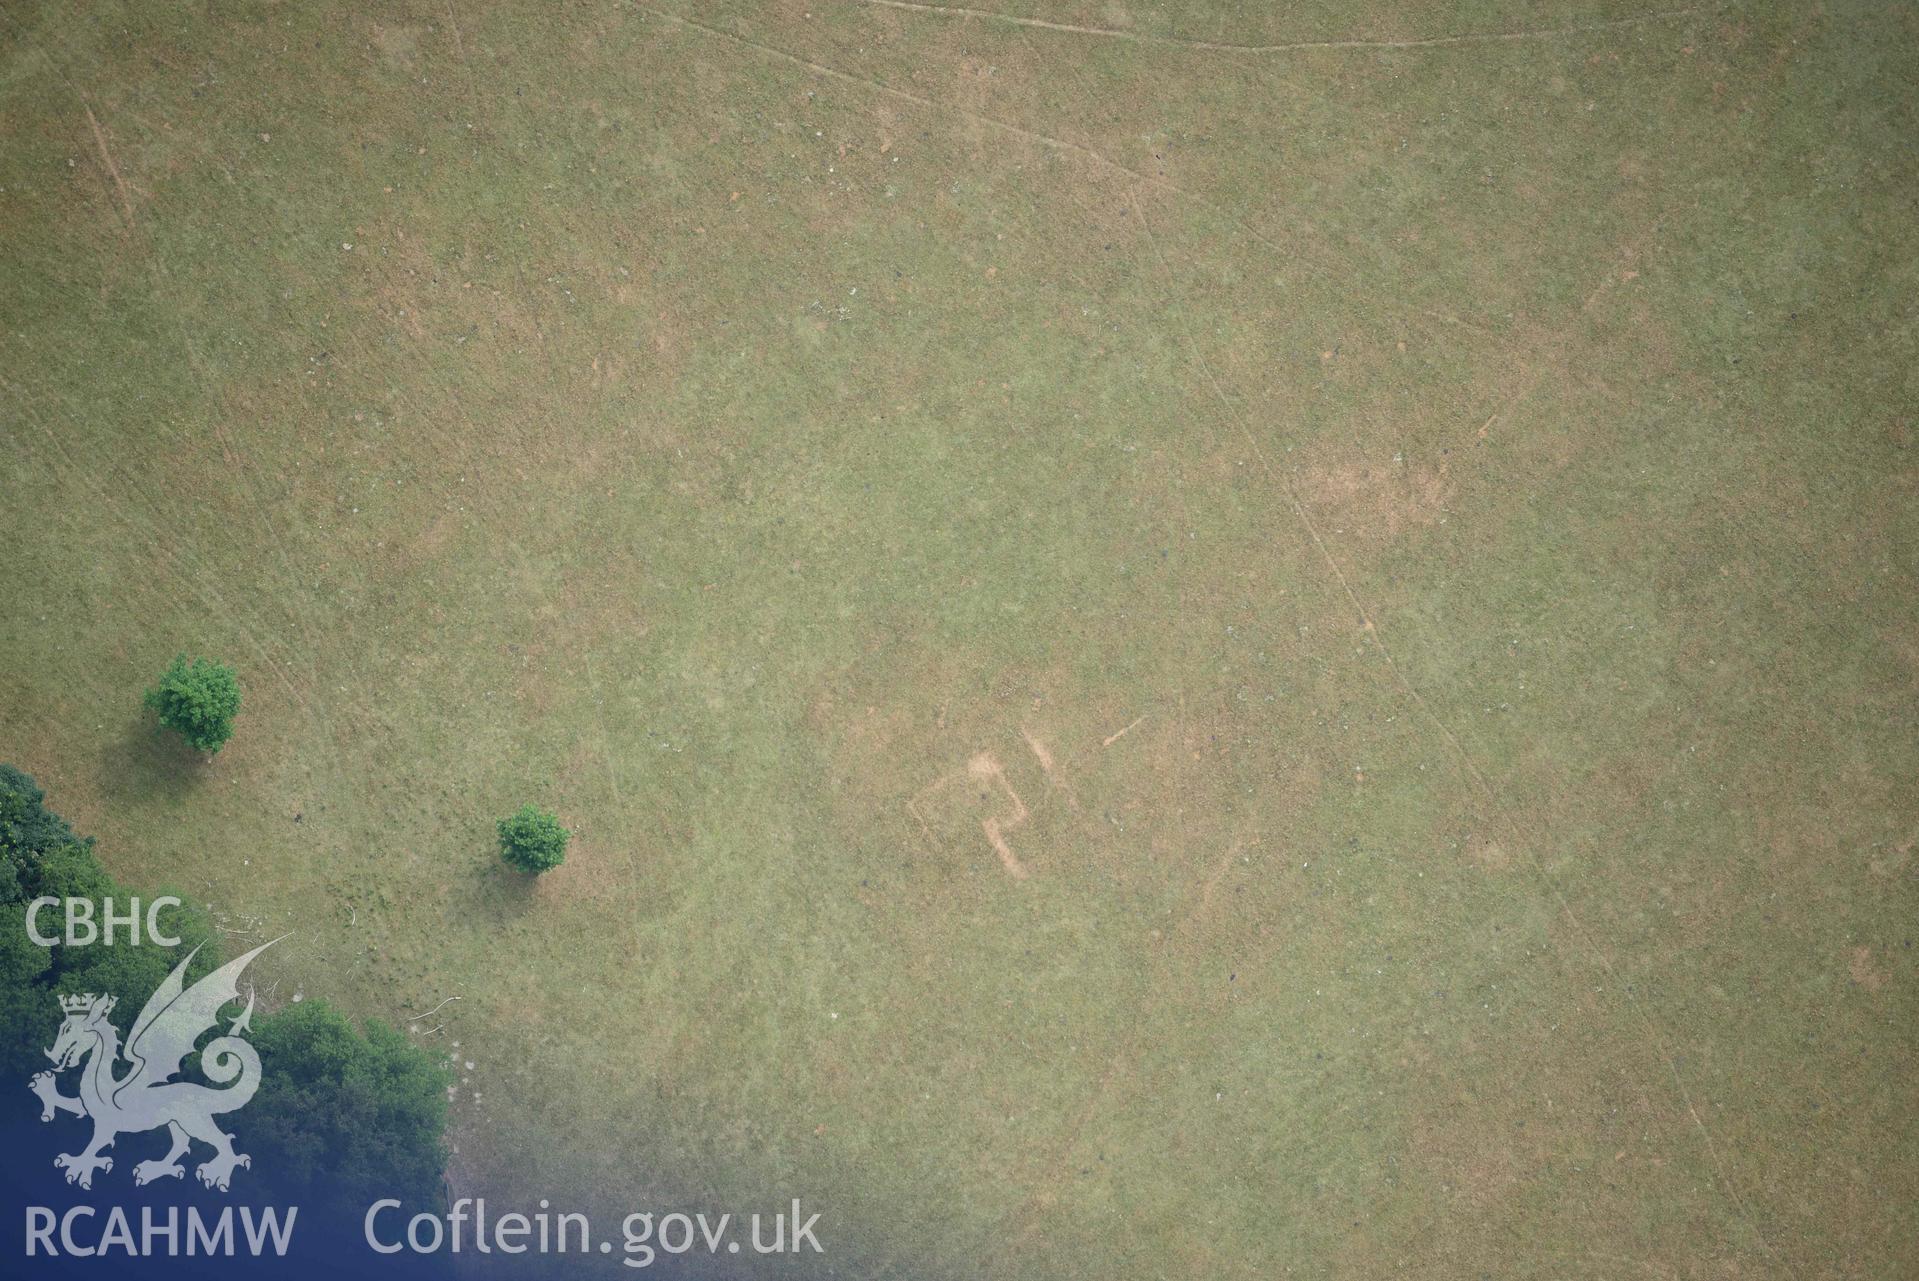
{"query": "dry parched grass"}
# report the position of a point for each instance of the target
(1201, 642)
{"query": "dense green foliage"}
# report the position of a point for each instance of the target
(533, 840)
(28, 833)
(198, 698)
(342, 1118)
(341, 1114)
(27, 827)
(39, 857)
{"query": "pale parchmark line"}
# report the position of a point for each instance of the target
(1040, 753)
(1049, 141)
(1511, 403)
(1027, 1213)
(993, 825)
(417, 1017)
(606, 743)
(459, 45)
(160, 269)
(209, 596)
(1293, 500)
(279, 668)
(113, 170)
(1605, 285)
(986, 767)
(1043, 139)
(1211, 885)
(1468, 765)
(619, 796)
(93, 122)
(1114, 737)
(1047, 765)
(1536, 374)
(1295, 46)
(1063, 146)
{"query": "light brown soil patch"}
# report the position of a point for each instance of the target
(1864, 972)
(1488, 852)
(1378, 501)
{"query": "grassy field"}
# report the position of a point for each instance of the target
(1192, 641)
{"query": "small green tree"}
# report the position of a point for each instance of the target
(199, 699)
(533, 840)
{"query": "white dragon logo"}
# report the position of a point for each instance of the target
(145, 1098)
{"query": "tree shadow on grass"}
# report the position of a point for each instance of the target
(498, 893)
(145, 761)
